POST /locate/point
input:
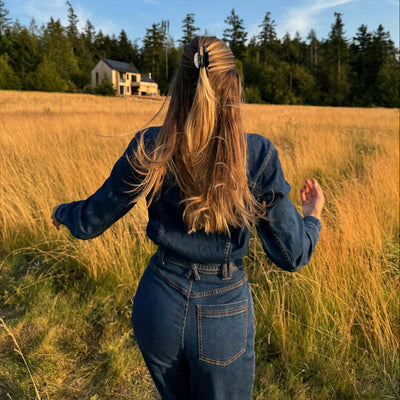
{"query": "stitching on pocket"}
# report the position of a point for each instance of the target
(221, 313)
(220, 290)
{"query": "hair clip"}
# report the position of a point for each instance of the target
(202, 60)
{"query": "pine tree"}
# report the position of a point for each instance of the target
(385, 69)
(89, 33)
(188, 29)
(58, 55)
(126, 50)
(337, 63)
(72, 28)
(313, 48)
(267, 40)
(8, 78)
(361, 66)
(153, 52)
(24, 54)
(235, 36)
(268, 30)
(4, 20)
(338, 42)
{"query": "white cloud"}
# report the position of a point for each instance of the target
(43, 10)
(106, 26)
(303, 18)
(151, 2)
(253, 30)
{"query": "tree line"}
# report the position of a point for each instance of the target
(335, 71)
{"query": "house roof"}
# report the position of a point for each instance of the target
(121, 66)
(146, 78)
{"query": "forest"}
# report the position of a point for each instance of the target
(362, 71)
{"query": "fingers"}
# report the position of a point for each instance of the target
(303, 193)
(306, 191)
(311, 190)
(53, 219)
(317, 187)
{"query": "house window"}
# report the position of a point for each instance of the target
(97, 77)
(134, 78)
(122, 77)
(121, 90)
(127, 89)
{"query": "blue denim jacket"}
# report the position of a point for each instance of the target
(287, 238)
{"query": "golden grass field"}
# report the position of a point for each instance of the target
(330, 331)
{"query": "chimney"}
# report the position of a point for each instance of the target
(150, 75)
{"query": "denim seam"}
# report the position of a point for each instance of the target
(222, 313)
(200, 336)
(281, 247)
(110, 218)
(218, 291)
(264, 164)
(172, 284)
(185, 312)
(162, 220)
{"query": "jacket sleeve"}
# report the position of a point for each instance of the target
(287, 238)
(89, 218)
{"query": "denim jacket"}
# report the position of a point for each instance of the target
(287, 238)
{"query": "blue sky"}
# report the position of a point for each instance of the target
(135, 16)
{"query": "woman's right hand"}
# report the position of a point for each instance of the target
(53, 219)
(312, 199)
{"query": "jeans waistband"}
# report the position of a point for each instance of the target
(194, 267)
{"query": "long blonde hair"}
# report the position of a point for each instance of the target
(202, 143)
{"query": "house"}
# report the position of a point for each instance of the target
(125, 78)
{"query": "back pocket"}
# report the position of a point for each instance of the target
(222, 332)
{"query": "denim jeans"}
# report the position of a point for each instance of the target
(194, 325)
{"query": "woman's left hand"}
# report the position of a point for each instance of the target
(55, 222)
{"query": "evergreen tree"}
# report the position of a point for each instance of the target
(338, 43)
(361, 67)
(313, 49)
(8, 78)
(89, 34)
(188, 29)
(126, 51)
(291, 54)
(336, 63)
(267, 40)
(153, 52)
(58, 54)
(24, 54)
(72, 28)
(388, 84)
(268, 30)
(384, 69)
(235, 36)
(4, 20)
(48, 79)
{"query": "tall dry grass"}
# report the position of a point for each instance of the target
(330, 331)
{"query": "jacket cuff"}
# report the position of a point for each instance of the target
(59, 212)
(313, 223)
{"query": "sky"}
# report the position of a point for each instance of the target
(134, 16)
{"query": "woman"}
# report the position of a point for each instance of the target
(206, 183)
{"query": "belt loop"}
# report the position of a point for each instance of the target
(161, 254)
(192, 272)
(226, 265)
(227, 268)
